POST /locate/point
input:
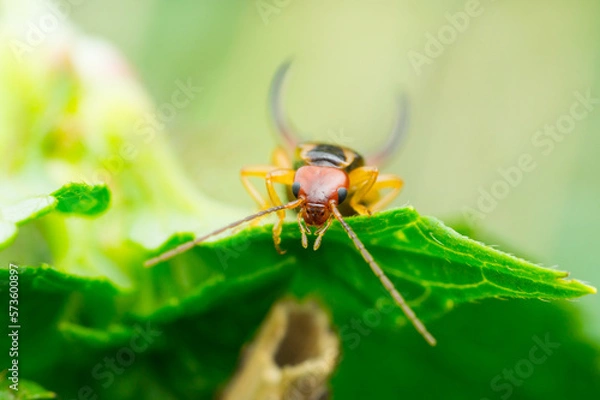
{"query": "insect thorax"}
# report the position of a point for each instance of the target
(327, 155)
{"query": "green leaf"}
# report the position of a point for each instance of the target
(56, 309)
(82, 199)
(433, 266)
(192, 292)
(478, 345)
(73, 198)
(429, 262)
(45, 279)
(27, 391)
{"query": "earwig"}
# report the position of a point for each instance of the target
(324, 182)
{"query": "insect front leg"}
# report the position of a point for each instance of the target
(361, 181)
(373, 201)
(280, 160)
(303, 228)
(320, 233)
(259, 171)
(285, 177)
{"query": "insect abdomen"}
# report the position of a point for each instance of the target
(327, 155)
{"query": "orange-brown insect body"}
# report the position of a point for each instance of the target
(321, 171)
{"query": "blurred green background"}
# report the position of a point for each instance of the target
(475, 108)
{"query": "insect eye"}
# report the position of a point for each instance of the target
(296, 189)
(342, 193)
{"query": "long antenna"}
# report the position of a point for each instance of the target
(410, 314)
(188, 245)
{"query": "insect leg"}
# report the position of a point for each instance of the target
(361, 181)
(303, 229)
(280, 158)
(260, 171)
(373, 201)
(320, 233)
(285, 177)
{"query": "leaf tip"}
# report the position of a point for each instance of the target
(583, 287)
